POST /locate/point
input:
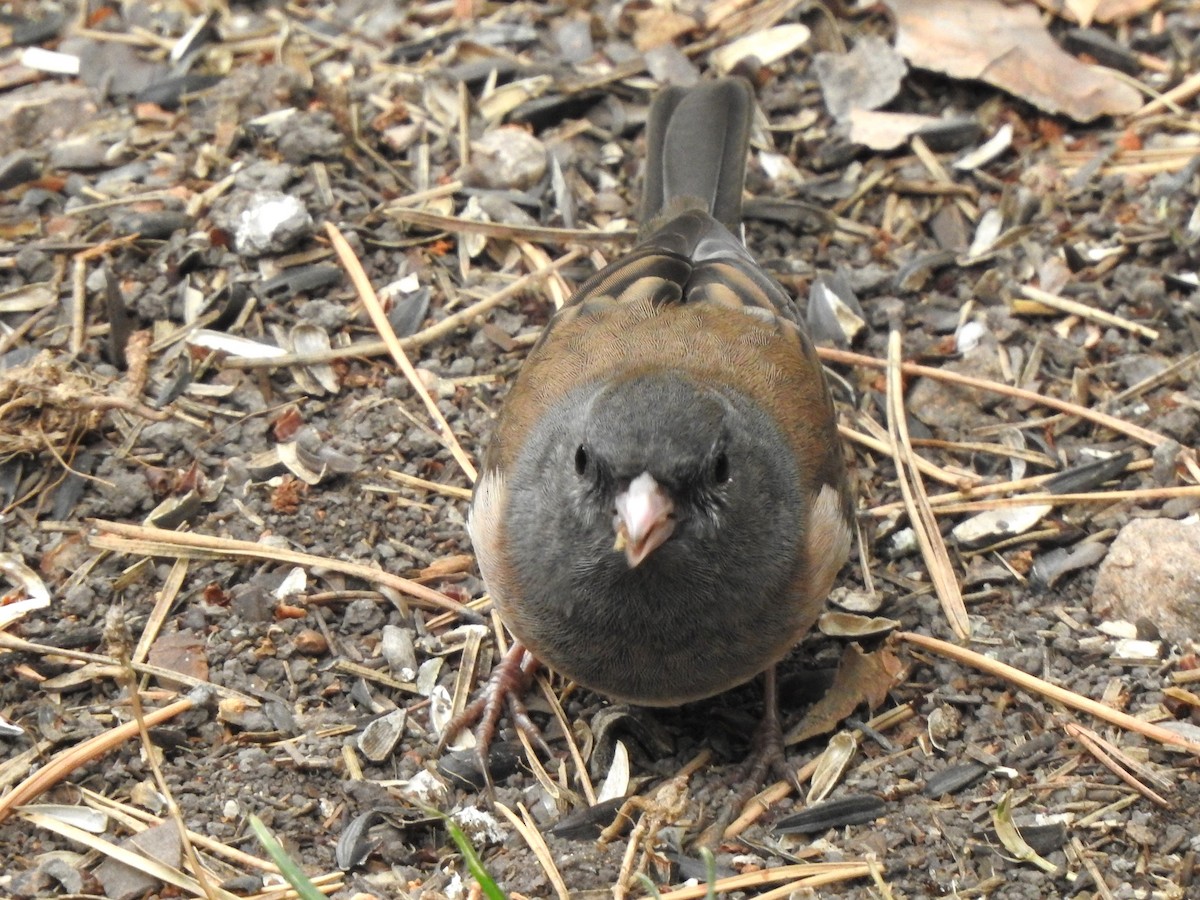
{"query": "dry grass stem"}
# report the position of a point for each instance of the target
(1075, 308)
(533, 838)
(1131, 496)
(1143, 435)
(924, 466)
(1181, 93)
(67, 761)
(801, 875)
(920, 516)
(107, 666)
(435, 332)
(999, 487)
(137, 539)
(163, 601)
(129, 814)
(1044, 688)
(581, 770)
(370, 300)
(1114, 760)
(539, 233)
(131, 858)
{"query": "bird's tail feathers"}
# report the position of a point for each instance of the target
(696, 144)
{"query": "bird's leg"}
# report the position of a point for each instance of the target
(766, 747)
(505, 688)
(766, 756)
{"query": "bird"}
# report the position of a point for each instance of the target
(664, 503)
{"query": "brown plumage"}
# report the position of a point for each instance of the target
(664, 506)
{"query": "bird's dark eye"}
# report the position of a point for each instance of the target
(720, 468)
(581, 460)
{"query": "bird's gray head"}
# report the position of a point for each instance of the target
(653, 510)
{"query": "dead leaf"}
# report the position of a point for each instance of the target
(1008, 47)
(1097, 10)
(767, 47)
(861, 678)
(656, 26)
(182, 652)
(868, 77)
(885, 130)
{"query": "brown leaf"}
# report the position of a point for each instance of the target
(1085, 11)
(448, 565)
(181, 652)
(861, 678)
(1008, 47)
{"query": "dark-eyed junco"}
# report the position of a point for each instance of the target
(664, 506)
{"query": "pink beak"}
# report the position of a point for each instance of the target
(643, 520)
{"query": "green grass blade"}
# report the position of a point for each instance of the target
(287, 866)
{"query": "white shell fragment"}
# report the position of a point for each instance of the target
(233, 345)
(441, 713)
(498, 103)
(968, 336)
(308, 340)
(1118, 628)
(90, 820)
(987, 151)
(991, 223)
(849, 626)
(832, 765)
(1133, 649)
(380, 737)
(20, 575)
(997, 524)
(296, 582)
(767, 46)
(616, 782)
(50, 61)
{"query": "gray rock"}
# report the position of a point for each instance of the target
(122, 882)
(507, 158)
(1152, 572)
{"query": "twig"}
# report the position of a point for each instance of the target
(1075, 308)
(123, 538)
(67, 761)
(1052, 691)
(370, 300)
(435, 332)
(916, 501)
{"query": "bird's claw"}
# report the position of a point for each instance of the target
(505, 688)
